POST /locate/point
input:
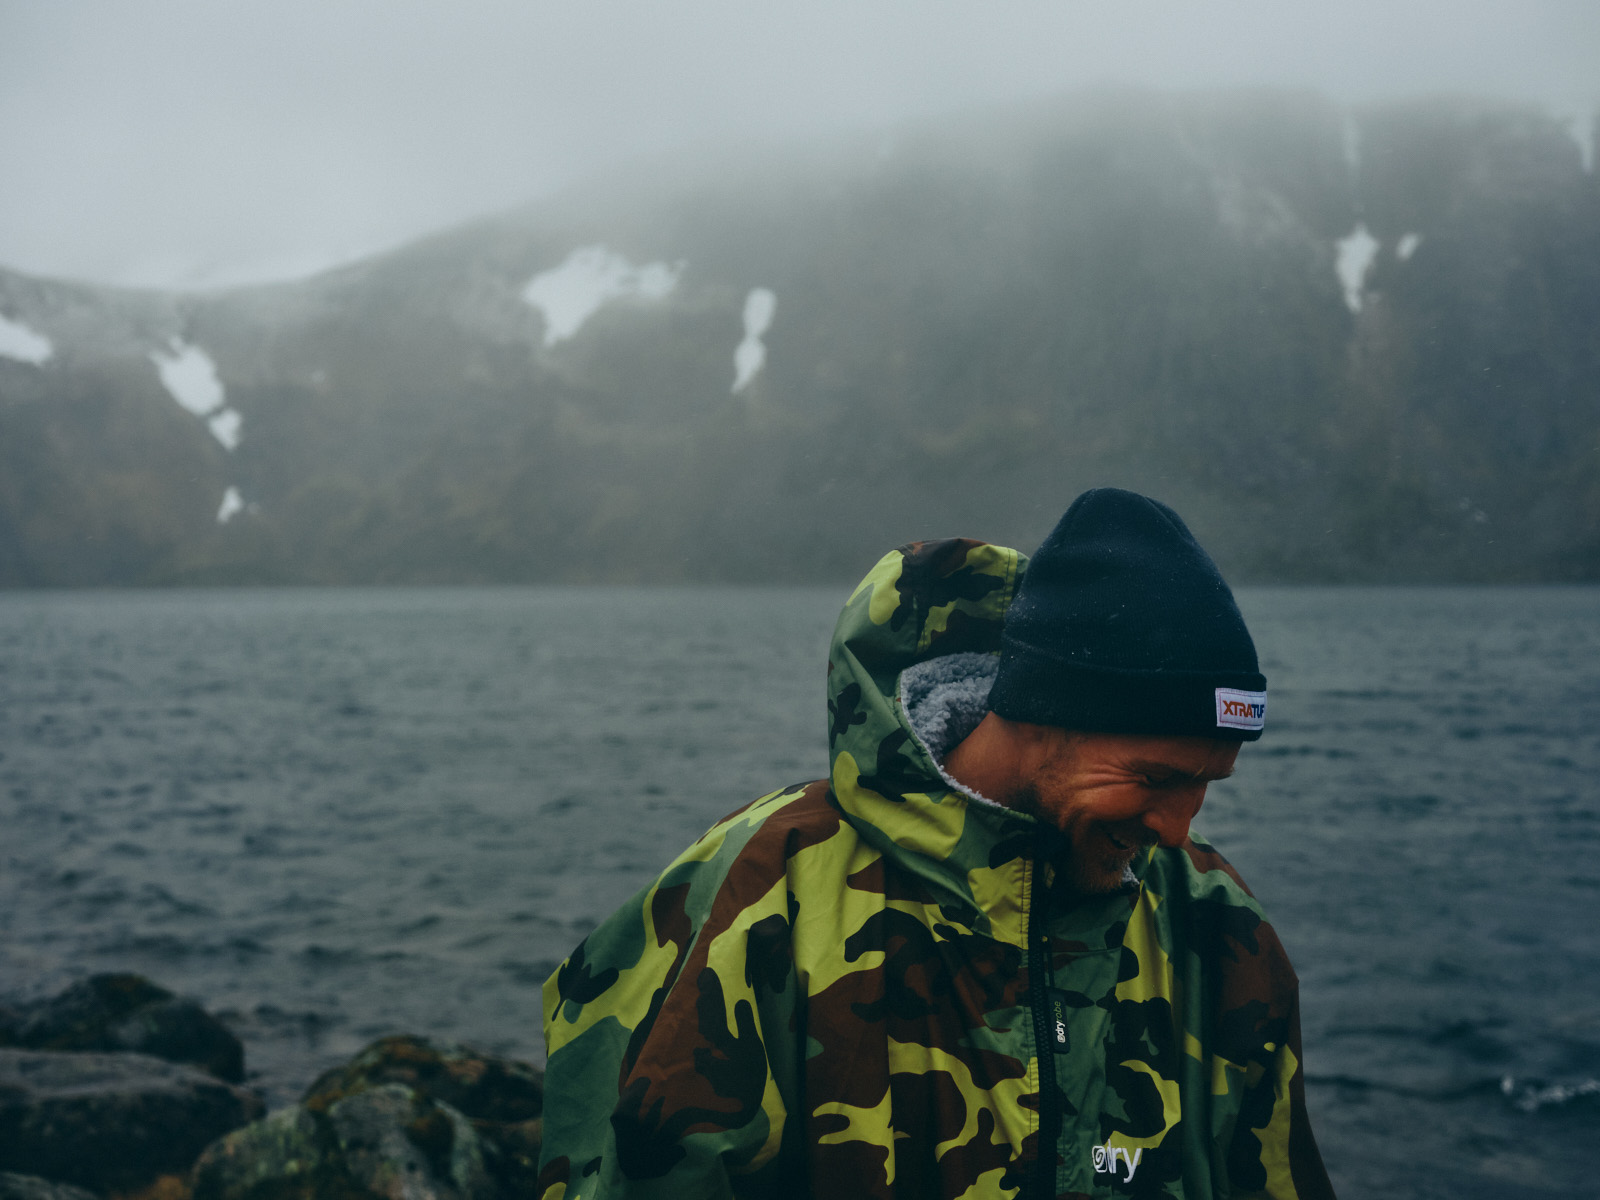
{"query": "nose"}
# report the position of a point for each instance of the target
(1169, 819)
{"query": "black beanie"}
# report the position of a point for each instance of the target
(1123, 624)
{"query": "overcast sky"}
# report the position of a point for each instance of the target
(202, 142)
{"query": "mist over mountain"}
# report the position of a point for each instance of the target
(1346, 345)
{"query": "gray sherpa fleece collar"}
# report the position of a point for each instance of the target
(943, 700)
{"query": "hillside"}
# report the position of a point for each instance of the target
(1348, 345)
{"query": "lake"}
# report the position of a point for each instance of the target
(331, 815)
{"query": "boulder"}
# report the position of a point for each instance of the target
(387, 1142)
(290, 1155)
(502, 1098)
(408, 1118)
(126, 1012)
(31, 1187)
(400, 1144)
(110, 1122)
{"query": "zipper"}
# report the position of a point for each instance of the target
(1039, 980)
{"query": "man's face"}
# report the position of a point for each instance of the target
(1113, 794)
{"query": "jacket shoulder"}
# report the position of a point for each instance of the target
(757, 842)
(1208, 896)
(661, 1025)
(1213, 873)
(801, 806)
(717, 883)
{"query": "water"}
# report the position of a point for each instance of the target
(332, 815)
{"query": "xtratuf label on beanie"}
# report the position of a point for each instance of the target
(1241, 710)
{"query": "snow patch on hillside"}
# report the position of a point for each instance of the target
(1356, 251)
(568, 295)
(190, 377)
(232, 506)
(751, 354)
(224, 427)
(23, 344)
(1407, 246)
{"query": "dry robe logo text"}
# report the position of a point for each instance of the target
(1107, 1157)
(1241, 710)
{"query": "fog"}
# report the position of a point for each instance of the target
(194, 144)
(714, 293)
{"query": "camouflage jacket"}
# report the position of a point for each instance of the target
(869, 986)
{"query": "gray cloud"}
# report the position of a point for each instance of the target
(197, 141)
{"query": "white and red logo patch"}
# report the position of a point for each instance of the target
(1241, 710)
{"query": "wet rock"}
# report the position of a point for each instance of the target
(502, 1098)
(400, 1144)
(408, 1118)
(127, 1012)
(110, 1122)
(31, 1187)
(291, 1155)
(387, 1141)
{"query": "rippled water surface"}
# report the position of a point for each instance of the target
(334, 815)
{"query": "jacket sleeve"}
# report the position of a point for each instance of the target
(1273, 1154)
(669, 1034)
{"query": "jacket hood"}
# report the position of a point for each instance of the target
(923, 601)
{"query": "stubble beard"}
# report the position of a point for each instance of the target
(1089, 874)
(1092, 874)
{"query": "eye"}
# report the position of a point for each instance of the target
(1164, 781)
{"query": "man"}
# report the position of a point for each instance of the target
(985, 958)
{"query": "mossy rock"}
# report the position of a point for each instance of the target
(482, 1087)
(289, 1155)
(502, 1098)
(381, 1143)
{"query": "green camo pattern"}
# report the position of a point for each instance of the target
(855, 987)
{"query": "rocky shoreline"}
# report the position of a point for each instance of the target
(118, 1088)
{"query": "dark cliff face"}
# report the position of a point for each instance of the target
(973, 322)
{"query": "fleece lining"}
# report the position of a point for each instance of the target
(943, 700)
